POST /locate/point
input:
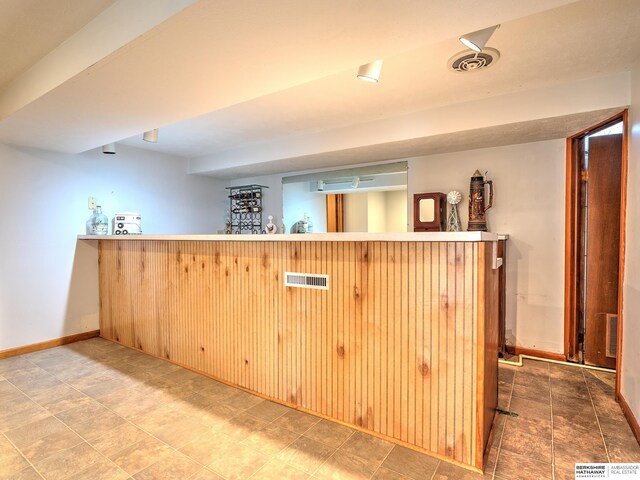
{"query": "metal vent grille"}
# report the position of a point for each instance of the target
(612, 335)
(470, 61)
(306, 280)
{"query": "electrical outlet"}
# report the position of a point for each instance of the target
(92, 203)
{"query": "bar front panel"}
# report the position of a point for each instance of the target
(394, 346)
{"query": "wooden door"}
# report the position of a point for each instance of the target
(335, 213)
(602, 245)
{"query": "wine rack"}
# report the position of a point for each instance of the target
(245, 208)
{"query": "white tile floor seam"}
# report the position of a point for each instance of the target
(593, 405)
(332, 454)
(68, 427)
(80, 370)
(22, 455)
(495, 465)
(385, 458)
(87, 441)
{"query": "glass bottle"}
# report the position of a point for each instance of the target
(98, 223)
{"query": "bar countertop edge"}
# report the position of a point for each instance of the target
(317, 237)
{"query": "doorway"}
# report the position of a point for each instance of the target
(596, 198)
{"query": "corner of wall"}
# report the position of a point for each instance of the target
(630, 362)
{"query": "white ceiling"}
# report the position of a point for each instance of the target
(30, 29)
(221, 75)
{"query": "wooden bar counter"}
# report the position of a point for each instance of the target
(403, 343)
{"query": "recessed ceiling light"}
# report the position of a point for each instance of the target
(370, 72)
(478, 39)
(109, 149)
(151, 136)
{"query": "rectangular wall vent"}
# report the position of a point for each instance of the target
(612, 335)
(306, 280)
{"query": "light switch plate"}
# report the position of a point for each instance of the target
(92, 203)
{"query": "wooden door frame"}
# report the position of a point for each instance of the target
(572, 237)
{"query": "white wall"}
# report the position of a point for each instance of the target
(48, 279)
(396, 203)
(301, 200)
(631, 311)
(273, 196)
(529, 181)
(377, 212)
(529, 206)
(356, 212)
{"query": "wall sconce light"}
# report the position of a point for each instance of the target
(151, 136)
(370, 72)
(109, 149)
(356, 182)
(478, 39)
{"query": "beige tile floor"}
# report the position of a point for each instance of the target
(96, 410)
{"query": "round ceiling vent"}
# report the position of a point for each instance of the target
(470, 61)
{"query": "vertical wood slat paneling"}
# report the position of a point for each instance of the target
(394, 346)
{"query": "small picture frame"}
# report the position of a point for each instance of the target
(429, 213)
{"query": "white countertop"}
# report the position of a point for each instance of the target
(316, 237)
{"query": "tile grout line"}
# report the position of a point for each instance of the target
(176, 450)
(513, 381)
(299, 436)
(205, 467)
(102, 360)
(273, 456)
(142, 429)
(22, 455)
(524, 456)
(384, 460)
(593, 405)
(85, 440)
(332, 454)
(26, 395)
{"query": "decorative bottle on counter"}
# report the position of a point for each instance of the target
(302, 224)
(309, 224)
(98, 223)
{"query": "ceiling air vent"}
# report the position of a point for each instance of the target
(306, 280)
(470, 61)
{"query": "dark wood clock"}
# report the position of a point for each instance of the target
(429, 212)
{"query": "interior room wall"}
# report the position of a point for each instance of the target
(529, 206)
(529, 181)
(49, 279)
(396, 204)
(630, 381)
(302, 200)
(376, 212)
(356, 212)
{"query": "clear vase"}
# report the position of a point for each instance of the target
(98, 223)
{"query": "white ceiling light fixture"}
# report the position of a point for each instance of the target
(151, 136)
(370, 72)
(356, 182)
(478, 39)
(109, 149)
